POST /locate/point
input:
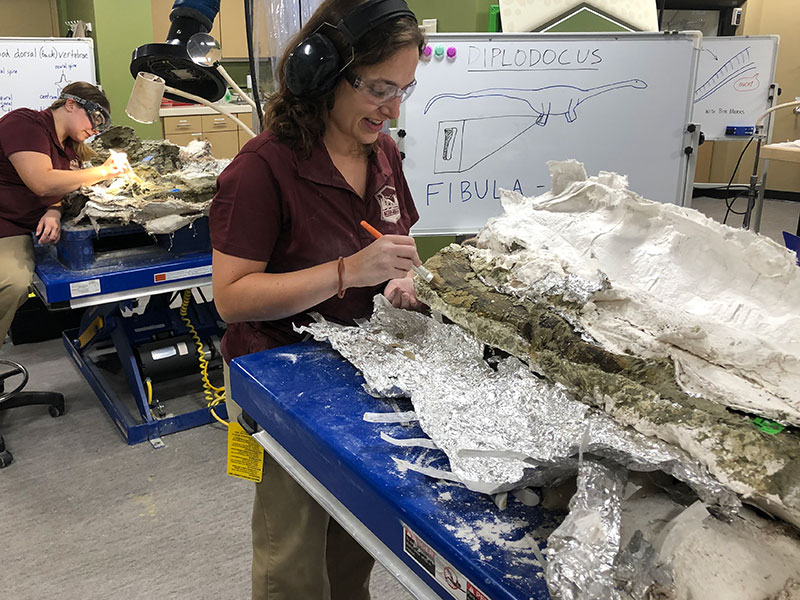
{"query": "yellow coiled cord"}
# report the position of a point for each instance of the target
(149, 385)
(214, 395)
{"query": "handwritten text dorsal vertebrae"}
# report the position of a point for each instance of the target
(492, 58)
(44, 53)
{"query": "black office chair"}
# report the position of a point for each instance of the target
(16, 397)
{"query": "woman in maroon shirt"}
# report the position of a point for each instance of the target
(40, 157)
(287, 240)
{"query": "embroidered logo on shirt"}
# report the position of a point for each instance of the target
(390, 207)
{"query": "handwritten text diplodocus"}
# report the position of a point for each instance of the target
(495, 57)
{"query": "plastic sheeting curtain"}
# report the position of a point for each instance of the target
(275, 22)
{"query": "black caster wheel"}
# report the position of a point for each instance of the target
(5, 459)
(55, 411)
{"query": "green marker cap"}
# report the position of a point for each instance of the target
(767, 426)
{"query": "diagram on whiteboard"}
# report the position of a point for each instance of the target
(454, 156)
(544, 101)
(734, 69)
(461, 143)
(62, 83)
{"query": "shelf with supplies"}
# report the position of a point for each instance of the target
(182, 124)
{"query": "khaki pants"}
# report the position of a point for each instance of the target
(16, 270)
(299, 551)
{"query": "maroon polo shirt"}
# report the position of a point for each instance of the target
(275, 206)
(25, 130)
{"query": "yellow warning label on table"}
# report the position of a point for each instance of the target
(245, 455)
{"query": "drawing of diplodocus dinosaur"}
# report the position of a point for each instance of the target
(545, 101)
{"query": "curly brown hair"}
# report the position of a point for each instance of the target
(300, 123)
(87, 91)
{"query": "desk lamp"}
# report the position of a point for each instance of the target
(170, 60)
(148, 89)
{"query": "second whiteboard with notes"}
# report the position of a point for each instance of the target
(733, 82)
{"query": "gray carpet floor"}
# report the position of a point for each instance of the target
(85, 516)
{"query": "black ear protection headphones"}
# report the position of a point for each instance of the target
(313, 68)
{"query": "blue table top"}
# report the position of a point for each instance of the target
(311, 401)
(117, 271)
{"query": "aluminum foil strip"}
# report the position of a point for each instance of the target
(501, 429)
(582, 550)
(409, 442)
(391, 417)
(639, 571)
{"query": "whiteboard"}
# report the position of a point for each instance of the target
(493, 116)
(33, 71)
(733, 79)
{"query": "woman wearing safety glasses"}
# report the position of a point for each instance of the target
(40, 157)
(287, 241)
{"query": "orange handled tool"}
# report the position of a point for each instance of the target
(419, 270)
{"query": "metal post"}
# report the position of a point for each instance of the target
(755, 198)
(759, 205)
(755, 195)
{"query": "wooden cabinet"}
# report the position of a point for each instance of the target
(217, 122)
(183, 125)
(228, 27)
(221, 132)
(224, 144)
(33, 18)
(244, 137)
(233, 35)
(181, 139)
(702, 172)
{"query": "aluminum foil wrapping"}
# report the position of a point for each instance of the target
(639, 571)
(501, 429)
(582, 550)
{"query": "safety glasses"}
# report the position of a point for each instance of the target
(99, 117)
(380, 92)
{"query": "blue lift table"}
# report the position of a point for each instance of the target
(117, 281)
(435, 537)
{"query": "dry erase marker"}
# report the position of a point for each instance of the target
(419, 270)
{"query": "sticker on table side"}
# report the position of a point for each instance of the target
(84, 288)
(245, 454)
(443, 572)
(181, 274)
